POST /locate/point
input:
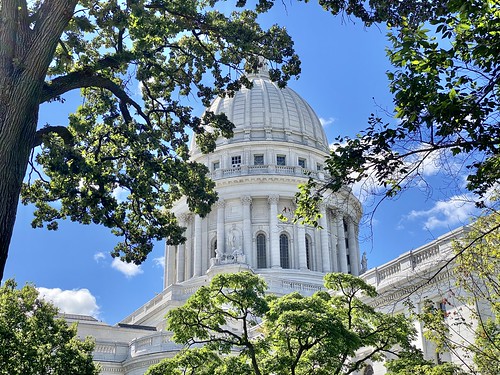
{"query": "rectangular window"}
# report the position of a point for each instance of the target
(236, 161)
(215, 165)
(302, 162)
(319, 167)
(258, 160)
(280, 160)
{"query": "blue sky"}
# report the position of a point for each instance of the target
(343, 78)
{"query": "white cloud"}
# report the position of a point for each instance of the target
(99, 256)
(326, 121)
(76, 301)
(159, 262)
(120, 194)
(128, 269)
(446, 214)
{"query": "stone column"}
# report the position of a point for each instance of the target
(197, 246)
(353, 247)
(220, 227)
(339, 218)
(169, 266)
(188, 246)
(274, 240)
(325, 242)
(247, 232)
(301, 234)
(181, 263)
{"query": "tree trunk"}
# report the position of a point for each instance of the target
(18, 119)
(26, 51)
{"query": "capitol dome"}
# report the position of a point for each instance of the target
(267, 112)
(278, 144)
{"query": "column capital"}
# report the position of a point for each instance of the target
(220, 203)
(336, 213)
(246, 200)
(184, 218)
(273, 199)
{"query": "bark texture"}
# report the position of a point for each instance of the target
(27, 45)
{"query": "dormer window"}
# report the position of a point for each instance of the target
(280, 160)
(236, 161)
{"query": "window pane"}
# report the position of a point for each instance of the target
(308, 252)
(261, 251)
(302, 162)
(281, 160)
(258, 159)
(284, 258)
(216, 165)
(236, 161)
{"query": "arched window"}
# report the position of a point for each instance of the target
(308, 252)
(284, 256)
(368, 370)
(261, 251)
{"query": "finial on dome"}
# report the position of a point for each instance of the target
(263, 70)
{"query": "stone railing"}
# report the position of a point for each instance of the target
(175, 292)
(110, 352)
(245, 170)
(158, 342)
(424, 258)
(300, 286)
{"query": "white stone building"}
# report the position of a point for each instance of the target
(278, 143)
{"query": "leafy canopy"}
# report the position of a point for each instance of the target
(243, 331)
(446, 90)
(466, 323)
(123, 160)
(477, 271)
(34, 341)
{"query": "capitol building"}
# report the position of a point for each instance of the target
(278, 144)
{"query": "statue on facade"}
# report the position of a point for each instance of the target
(364, 263)
(234, 240)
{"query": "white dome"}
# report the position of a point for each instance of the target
(266, 112)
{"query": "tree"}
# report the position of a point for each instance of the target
(414, 363)
(446, 86)
(242, 331)
(466, 323)
(117, 141)
(34, 341)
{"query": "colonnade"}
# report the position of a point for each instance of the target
(332, 249)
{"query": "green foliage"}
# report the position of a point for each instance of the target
(34, 341)
(446, 98)
(466, 322)
(245, 332)
(414, 363)
(123, 160)
(477, 272)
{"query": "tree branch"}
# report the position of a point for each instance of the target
(88, 78)
(61, 131)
